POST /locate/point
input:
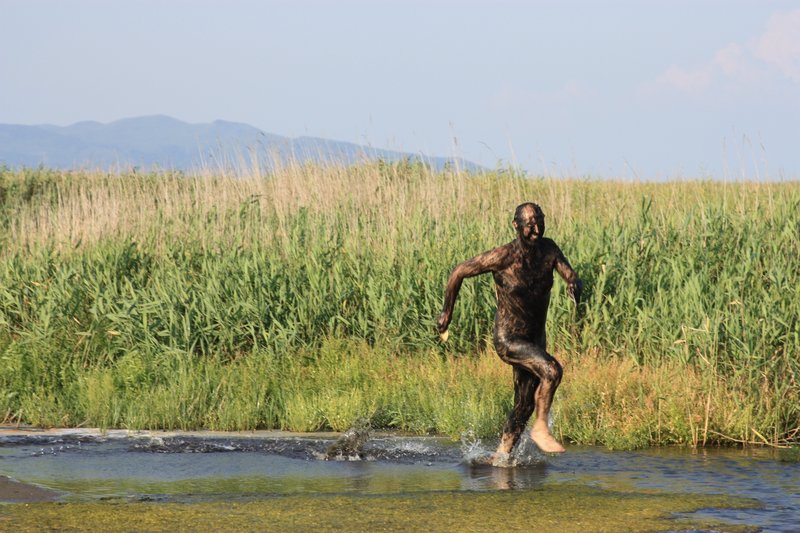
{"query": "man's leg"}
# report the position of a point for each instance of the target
(548, 371)
(524, 403)
(540, 432)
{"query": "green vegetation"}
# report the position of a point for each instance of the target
(306, 298)
(559, 507)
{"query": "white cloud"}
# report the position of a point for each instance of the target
(731, 60)
(776, 50)
(779, 46)
(686, 80)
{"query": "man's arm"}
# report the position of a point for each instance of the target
(486, 262)
(568, 274)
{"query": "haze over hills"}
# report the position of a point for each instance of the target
(164, 142)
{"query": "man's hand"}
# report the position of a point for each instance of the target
(441, 326)
(574, 290)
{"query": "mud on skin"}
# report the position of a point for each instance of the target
(523, 275)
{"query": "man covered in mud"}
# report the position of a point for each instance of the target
(523, 275)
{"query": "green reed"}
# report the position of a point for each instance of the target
(165, 300)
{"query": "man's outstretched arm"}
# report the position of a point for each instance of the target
(574, 283)
(486, 262)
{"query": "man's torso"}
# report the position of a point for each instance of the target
(523, 286)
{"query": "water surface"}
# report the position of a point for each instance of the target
(208, 467)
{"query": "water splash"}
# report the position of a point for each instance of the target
(186, 445)
(350, 446)
(292, 447)
(526, 452)
(475, 452)
(411, 448)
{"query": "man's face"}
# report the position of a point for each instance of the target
(530, 227)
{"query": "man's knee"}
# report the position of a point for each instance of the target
(553, 371)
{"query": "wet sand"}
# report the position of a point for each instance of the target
(13, 491)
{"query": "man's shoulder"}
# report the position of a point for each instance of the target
(500, 254)
(506, 250)
(550, 246)
(550, 243)
(507, 247)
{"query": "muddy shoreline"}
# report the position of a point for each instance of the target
(13, 491)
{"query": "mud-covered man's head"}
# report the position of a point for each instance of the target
(529, 223)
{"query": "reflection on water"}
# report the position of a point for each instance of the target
(196, 467)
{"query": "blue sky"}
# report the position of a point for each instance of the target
(647, 89)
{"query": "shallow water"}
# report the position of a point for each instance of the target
(211, 467)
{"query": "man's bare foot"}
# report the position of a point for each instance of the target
(499, 458)
(544, 440)
(501, 455)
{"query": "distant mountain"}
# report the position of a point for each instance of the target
(167, 143)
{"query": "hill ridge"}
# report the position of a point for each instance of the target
(166, 142)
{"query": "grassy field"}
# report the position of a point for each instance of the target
(305, 298)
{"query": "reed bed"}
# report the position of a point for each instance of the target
(305, 297)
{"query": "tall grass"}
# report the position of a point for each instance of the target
(280, 300)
